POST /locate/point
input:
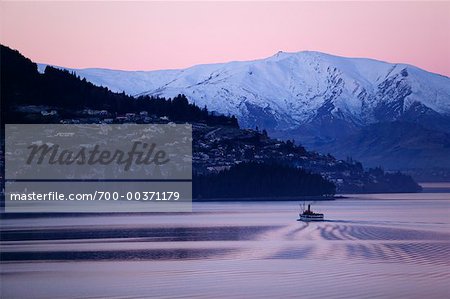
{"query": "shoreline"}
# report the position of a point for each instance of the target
(257, 199)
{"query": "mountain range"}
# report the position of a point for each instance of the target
(224, 154)
(383, 114)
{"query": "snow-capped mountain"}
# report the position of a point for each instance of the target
(313, 97)
(289, 89)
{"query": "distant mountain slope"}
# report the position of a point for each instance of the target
(404, 144)
(318, 99)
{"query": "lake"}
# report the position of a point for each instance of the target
(371, 246)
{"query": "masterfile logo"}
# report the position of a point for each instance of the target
(98, 168)
(127, 151)
(141, 153)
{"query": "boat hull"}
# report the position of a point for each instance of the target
(309, 218)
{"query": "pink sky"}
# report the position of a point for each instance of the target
(156, 35)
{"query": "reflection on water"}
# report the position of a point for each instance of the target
(368, 248)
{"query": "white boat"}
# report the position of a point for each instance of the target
(308, 215)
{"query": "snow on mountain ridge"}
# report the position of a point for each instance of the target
(290, 89)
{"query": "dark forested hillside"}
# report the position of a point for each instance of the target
(22, 85)
(261, 180)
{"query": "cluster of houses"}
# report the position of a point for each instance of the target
(105, 117)
(216, 149)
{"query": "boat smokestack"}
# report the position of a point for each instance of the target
(309, 208)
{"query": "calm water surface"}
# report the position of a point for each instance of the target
(371, 246)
